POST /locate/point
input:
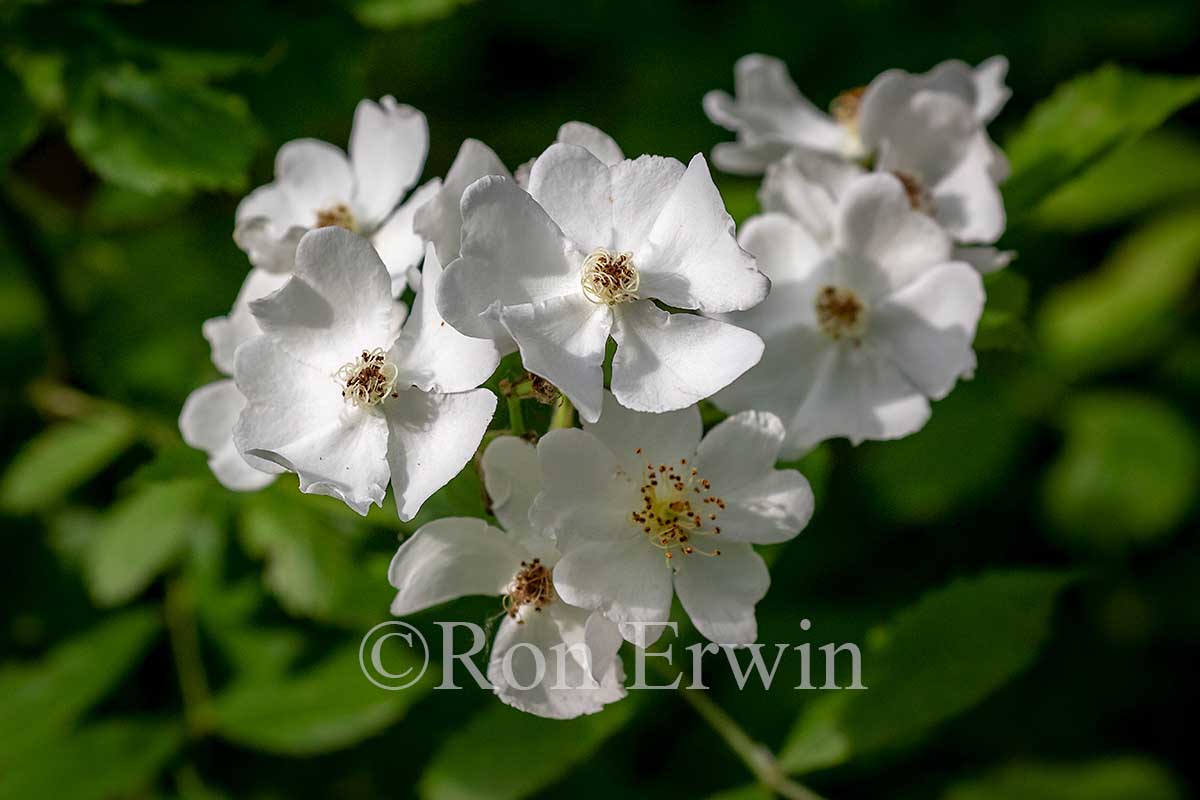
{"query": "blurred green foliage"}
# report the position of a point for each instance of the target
(1020, 573)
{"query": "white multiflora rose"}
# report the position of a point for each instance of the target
(335, 395)
(642, 509)
(586, 253)
(318, 185)
(454, 557)
(869, 318)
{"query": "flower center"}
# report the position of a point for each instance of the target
(369, 379)
(533, 586)
(339, 216)
(609, 278)
(844, 108)
(841, 313)
(678, 510)
(918, 196)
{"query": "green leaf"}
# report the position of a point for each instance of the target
(1147, 174)
(1084, 120)
(42, 700)
(1126, 778)
(312, 567)
(392, 14)
(63, 457)
(141, 536)
(504, 754)
(19, 122)
(152, 134)
(939, 658)
(117, 758)
(1003, 324)
(1127, 474)
(326, 707)
(1130, 305)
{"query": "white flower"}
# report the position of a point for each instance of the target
(334, 395)
(585, 253)
(641, 508)
(869, 316)
(453, 557)
(207, 421)
(317, 186)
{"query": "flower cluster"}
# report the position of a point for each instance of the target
(839, 311)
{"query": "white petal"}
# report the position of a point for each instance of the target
(740, 450)
(692, 258)
(440, 221)
(639, 439)
(337, 304)
(922, 131)
(398, 245)
(930, 324)
(879, 229)
(665, 362)
(388, 144)
(797, 265)
(991, 93)
(563, 340)
(512, 253)
(207, 421)
(592, 139)
(641, 189)
(450, 558)
(563, 693)
(433, 356)
(719, 593)
(314, 176)
(628, 580)
(576, 190)
(967, 202)
(226, 333)
(269, 202)
(806, 186)
(512, 477)
(268, 228)
(984, 259)
(431, 437)
(295, 417)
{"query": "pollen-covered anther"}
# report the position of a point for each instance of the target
(369, 379)
(337, 216)
(918, 196)
(845, 106)
(841, 313)
(609, 278)
(533, 585)
(670, 514)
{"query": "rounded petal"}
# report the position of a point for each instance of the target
(740, 450)
(719, 593)
(592, 139)
(984, 259)
(451, 558)
(563, 340)
(576, 190)
(796, 264)
(692, 258)
(295, 417)
(388, 144)
(639, 439)
(225, 334)
(967, 201)
(431, 437)
(627, 580)
(398, 245)
(270, 203)
(929, 325)
(512, 477)
(512, 253)
(206, 423)
(313, 176)
(641, 188)
(267, 249)
(991, 93)
(665, 362)
(440, 221)
(433, 356)
(337, 304)
(923, 131)
(806, 186)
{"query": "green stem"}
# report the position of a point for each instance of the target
(185, 648)
(516, 417)
(564, 414)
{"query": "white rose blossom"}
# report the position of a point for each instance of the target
(585, 253)
(336, 396)
(454, 557)
(317, 185)
(869, 318)
(642, 509)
